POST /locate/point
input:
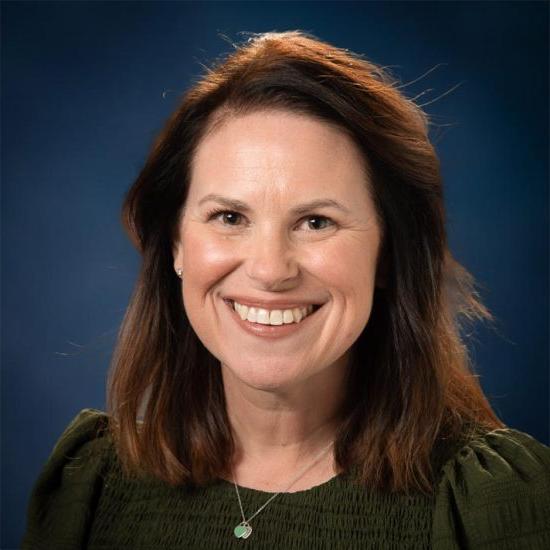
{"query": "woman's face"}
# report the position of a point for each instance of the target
(248, 235)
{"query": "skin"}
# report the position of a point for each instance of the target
(282, 395)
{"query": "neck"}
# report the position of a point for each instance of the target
(283, 429)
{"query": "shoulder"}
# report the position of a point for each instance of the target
(60, 505)
(89, 426)
(494, 491)
(81, 448)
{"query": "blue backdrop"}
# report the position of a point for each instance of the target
(85, 88)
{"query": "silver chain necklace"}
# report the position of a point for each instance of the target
(243, 529)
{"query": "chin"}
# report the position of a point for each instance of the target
(267, 377)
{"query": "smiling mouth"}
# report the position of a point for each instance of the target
(272, 317)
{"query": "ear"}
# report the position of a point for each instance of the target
(177, 253)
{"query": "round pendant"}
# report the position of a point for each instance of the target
(243, 530)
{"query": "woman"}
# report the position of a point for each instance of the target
(293, 350)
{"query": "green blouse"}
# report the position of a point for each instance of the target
(493, 493)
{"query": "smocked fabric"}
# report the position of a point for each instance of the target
(493, 493)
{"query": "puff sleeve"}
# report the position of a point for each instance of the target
(61, 506)
(494, 493)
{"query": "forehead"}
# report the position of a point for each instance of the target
(277, 151)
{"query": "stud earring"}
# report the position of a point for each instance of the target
(179, 271)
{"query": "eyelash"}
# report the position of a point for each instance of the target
(216, 212)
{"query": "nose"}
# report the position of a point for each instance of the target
(271, 259)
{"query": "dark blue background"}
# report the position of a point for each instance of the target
(82, 99)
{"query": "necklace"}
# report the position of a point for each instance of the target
(243, 529)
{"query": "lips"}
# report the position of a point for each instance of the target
(271, 304)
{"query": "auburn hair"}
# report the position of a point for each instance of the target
(412, 386)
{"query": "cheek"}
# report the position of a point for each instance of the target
(349, 271)
(349, 265)
(205, 260)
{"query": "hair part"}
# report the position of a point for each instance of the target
(411, 385)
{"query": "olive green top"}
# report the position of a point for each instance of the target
(492, 493)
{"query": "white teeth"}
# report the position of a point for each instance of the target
(242, 311)
(251, 314)
(288, 317)
(276, 317)
(272, 317)
(262, 316)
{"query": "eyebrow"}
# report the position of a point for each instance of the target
(303, 208)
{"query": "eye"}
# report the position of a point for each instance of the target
(231, 218)
(318, 219)
(229, 215)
